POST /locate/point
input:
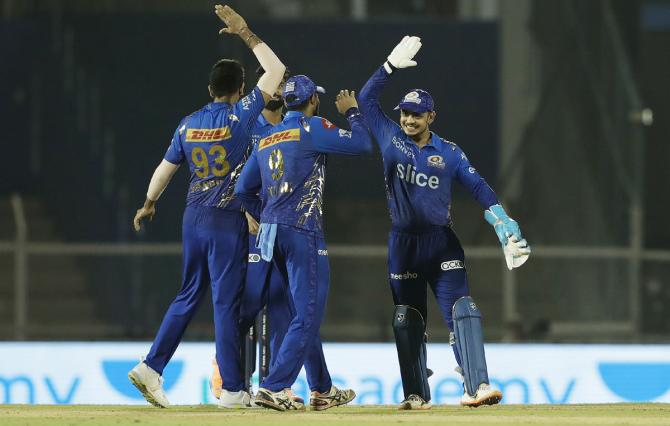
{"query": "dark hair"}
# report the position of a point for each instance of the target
(300, 107)
(226, 77)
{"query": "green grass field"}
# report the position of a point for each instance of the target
(610, 414)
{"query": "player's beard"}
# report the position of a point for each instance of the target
(274, 104)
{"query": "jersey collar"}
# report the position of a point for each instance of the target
(293, 114)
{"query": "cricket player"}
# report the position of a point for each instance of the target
(288, 168)
(419, 167)
(214, 141)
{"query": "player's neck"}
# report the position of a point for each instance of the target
(273, 117)
(421, 139)
(227, 99)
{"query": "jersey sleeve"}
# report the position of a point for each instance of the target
(474, 182)
(249, 185)
(328, 138)
(175, 152)
(381, 126)
(247, 109)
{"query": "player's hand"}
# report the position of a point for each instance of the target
(516, 252)
(403, 53)
(147, 211)
(253, 224)
(234, 22)
(344, 100)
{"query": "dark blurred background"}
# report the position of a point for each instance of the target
(561, 104)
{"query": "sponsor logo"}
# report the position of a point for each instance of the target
(327, 124)
(636, 381)
(116, 372)
(452, 264)
(344, 133)
(323, 252)
(436, 161)
(406, 276)
(275, 138)
(412, 97)
(208, 135)
(471, 170)
(473, 306)
(409, 174)
(247, 100)
(400, 145)
(254, 257)
(401, 317)
(463, 157)
(290, 86)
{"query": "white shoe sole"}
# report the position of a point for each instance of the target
(135, 380)
(492, 398)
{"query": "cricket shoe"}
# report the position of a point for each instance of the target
(150, 384)
(239, 399)
(284, 400)
(215, 382)
(323, 401)
(485, 395)
(414, 402)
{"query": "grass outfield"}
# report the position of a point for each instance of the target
(610, 414)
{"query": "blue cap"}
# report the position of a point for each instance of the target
(417, 100)
(302, 88)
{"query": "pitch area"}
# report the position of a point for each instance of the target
(610, 414)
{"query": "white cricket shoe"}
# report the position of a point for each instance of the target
(239, 399)
(284, 400)
(485, 395)
(414, 402)
(150, 384)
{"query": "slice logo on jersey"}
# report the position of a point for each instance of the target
(208, 135)
(452, 264)
(254, 257)
(409, 174)
(290, 135)
(412, 97)
(436, 161)
(327, 124)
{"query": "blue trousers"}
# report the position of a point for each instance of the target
(301, 259)
(434, 257)
(215, 245)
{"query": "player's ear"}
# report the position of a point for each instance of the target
(431, 116)
(209, 89)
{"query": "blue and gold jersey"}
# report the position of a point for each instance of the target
(418, 180)
(287, 167)
(215, 141)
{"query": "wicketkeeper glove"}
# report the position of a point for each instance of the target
(515, 247)
(403, 53)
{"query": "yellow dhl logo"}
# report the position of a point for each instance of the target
(283, 136)
(207, 135)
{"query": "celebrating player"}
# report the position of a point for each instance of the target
(288, 167)
(214, 141)
(419, 167)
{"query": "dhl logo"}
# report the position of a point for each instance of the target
(207, 135)
(275, 138)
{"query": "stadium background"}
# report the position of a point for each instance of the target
(552, 101)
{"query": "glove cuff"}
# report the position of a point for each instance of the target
(389, 67)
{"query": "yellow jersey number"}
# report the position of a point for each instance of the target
(219, 166)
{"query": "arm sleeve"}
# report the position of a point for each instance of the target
(249, 185)
(274, 69)
(473, 182)
(160, 179)
(328, 138)
(381, 126)
(247, 110)
(175, 152)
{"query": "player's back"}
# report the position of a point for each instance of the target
(292, 173)
(215, 142)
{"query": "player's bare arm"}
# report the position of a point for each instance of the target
(159, 181)
(252, 223)
(274, 68)
(345, 100)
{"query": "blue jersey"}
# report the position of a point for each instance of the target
(287, 167)
(215, 141)
(418, 180)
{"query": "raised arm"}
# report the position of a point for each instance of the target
(274, 68)
(381, 126)
(328, 138)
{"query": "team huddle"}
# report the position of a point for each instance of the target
(252, 229)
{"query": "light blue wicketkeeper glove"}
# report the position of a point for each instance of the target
(515, 248)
